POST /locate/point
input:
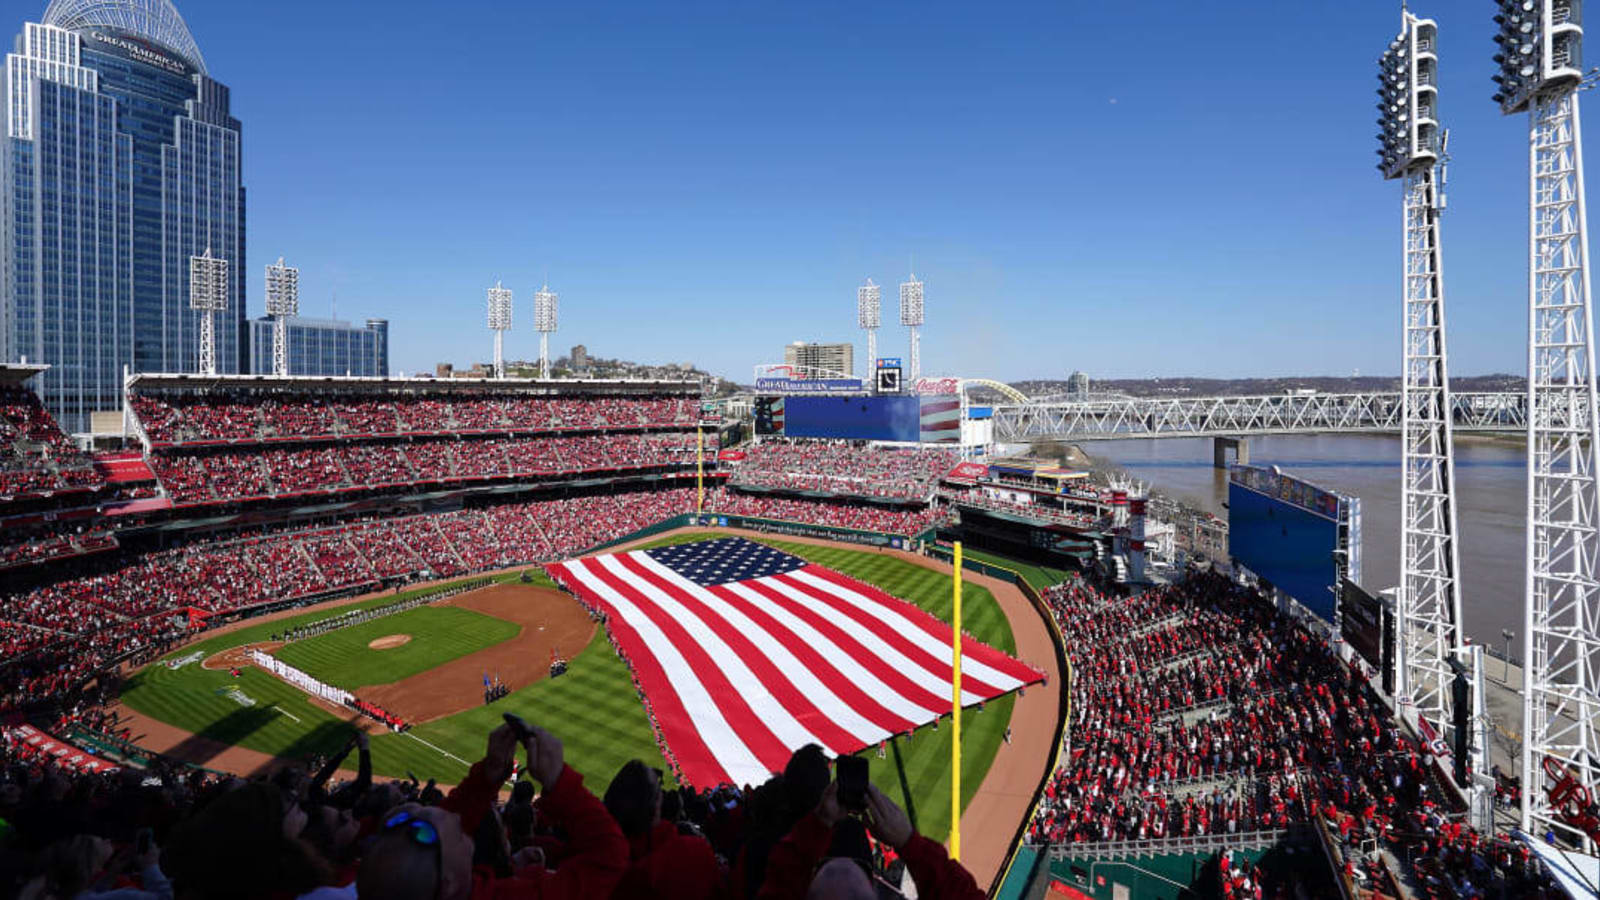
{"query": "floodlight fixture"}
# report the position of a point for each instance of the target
(283, 289)
(545, 308)
(283, 301)
(911, 317)
(1540, 50)
(208, 293)
(869, 315)
(1408, 99)
(499, 323)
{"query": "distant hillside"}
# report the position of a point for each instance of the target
(1233, 387)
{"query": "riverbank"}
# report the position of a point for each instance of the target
(1491, 488)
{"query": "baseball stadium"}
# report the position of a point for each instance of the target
(330, 584)
(276, 624)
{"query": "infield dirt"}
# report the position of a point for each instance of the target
(551, 621)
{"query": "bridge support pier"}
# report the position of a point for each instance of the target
(1220, 447)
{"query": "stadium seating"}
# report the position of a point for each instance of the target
(179, 417)
(1199, 709)
(234, 474)
(843, 467)
(907, 521)
(36, 457)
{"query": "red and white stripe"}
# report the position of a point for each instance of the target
(739, 675)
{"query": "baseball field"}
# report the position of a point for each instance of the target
(427, 665)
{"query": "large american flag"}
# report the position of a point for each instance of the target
(746, 653)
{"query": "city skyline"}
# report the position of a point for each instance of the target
(121, 164)
(754, 168)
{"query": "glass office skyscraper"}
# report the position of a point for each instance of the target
(323, 347)
(120, 161)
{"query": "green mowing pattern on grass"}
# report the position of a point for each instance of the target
(438, 635)
(594, 708)
(1039, 577)
(925, 756)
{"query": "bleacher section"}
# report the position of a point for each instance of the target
(906, 521)
(36, 458)
(251, 442)
(844, 468)
(1198, 709)
(174, 416)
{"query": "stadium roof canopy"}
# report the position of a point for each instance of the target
(12, 374)
(157, 21)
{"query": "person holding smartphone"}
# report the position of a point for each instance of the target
(426, 852)
(800, 865)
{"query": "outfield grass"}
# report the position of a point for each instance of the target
(924, 758)
(594, 708)
(439, 634)
(1039, 577)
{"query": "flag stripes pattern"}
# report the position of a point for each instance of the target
(746, 653)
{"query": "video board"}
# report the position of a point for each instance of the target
(1302, 539)
(1367, 624)
(853, 418)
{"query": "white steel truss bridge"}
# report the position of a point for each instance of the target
(1145, 417)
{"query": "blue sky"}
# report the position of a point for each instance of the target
(1163, 189)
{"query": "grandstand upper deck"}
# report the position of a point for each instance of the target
(36, 457)
(174, 410)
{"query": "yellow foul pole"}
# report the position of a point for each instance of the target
(955, 712)
(699, 472)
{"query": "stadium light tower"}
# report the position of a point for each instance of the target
(1540, 73)
(499, 323)
(869, 315)
(544, 321)
(1428, 600)
(208, 293)
(283, 301)
(911, 317)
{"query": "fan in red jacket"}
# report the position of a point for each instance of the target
(797, 868)
(425, 853)
(664, 863)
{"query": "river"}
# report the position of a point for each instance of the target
(1490, 490)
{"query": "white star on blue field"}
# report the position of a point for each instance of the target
(709, 563)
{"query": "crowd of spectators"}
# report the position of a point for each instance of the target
(36, 457)
(257, 471)
(177, 417)
(27, 544)
(173, 831)
(851, 468)
(59, 628)
(1199, 708)
(906, 520)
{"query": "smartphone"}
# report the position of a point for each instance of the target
(851, 772)
(518, 725)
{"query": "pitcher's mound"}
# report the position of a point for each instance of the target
(389, 642)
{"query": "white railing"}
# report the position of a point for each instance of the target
(1200, 843)
(1233, 416)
